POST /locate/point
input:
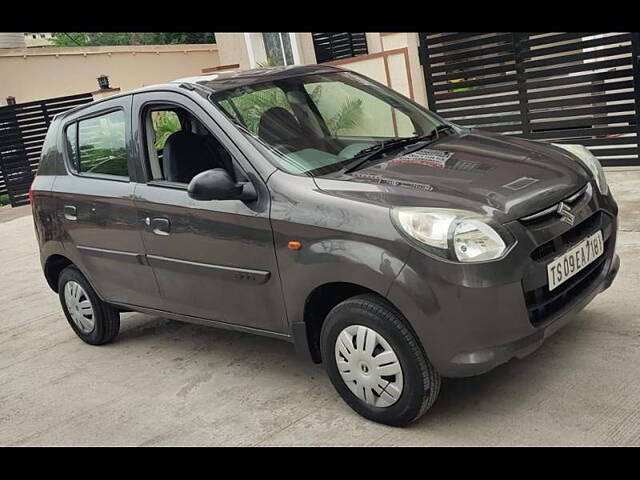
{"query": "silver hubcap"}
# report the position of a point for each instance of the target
(79, 306)
(369, 366)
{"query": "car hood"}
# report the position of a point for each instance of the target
(504, 177)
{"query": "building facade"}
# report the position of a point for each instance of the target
(38, 39)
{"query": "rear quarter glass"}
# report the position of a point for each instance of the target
(51, 156)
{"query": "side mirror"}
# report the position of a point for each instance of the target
(217, 184)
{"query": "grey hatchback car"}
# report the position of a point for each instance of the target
(317, 206)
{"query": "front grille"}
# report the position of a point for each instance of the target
(543, 304)
(554, 247)
(551, 213)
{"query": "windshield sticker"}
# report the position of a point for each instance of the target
(425, 156)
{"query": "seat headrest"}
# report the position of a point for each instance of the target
(185, 154)
(278, 125)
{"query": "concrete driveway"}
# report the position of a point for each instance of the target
(167, 383)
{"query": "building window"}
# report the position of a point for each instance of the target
(337, 45)
(42, 35)
(272, 49)
(33, 36)
(278, 48)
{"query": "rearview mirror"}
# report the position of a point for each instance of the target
(217, 184)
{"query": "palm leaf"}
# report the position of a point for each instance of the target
(347, 117)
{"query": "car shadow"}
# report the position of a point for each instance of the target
(460, 399)
(138, 326)
(185, 339)
(509, 386)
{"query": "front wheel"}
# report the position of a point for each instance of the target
(375, 362)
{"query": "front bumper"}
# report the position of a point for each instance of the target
(472, 318)
(480, 361)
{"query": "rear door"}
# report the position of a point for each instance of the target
(215, 259)
(102, 232)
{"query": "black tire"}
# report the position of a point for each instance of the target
(106, 319)
(420, 379)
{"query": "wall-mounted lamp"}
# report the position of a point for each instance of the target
(103, 82)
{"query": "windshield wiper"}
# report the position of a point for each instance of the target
(442, 128)
(363, 156)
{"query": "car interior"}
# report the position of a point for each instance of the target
(317, 123)
(300, 131)
(188, 147)
(286, 119)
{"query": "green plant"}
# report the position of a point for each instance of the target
(164, 124)
(269, 62)
(75, 39)
(316, 93)
(253, 105)
(347, 117)
(4, 200)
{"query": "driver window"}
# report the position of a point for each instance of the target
(165, 122)
(179, 146)
(351, 112)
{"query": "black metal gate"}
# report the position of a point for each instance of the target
(336, 45)
(22, 130)
(560, 87)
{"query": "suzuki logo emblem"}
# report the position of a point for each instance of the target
(565, 212)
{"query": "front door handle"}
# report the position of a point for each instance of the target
(70, 212)
(160, 226)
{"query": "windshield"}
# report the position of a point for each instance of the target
(318, 124)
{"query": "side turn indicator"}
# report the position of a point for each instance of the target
(294, 245)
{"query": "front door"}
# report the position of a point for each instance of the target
(213, 259)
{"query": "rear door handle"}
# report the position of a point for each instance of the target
(70, 212)
(160, 226)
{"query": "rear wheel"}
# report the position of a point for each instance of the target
(375, 362)
(94, 321)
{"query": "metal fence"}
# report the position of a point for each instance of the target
(560, 87)
(337, 45)
(23, 128)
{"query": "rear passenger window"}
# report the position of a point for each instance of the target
(100, 146)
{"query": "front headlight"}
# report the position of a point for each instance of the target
(591, 162)
(457, 235)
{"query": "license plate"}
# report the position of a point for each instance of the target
(568, 264)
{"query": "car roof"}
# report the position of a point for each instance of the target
(220, 81)
(227, 80)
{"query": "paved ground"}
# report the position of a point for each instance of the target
(7, 213)
(167, 383)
